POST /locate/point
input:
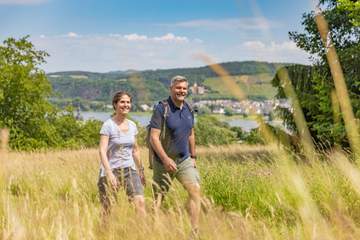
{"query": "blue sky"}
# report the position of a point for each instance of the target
(108, 35)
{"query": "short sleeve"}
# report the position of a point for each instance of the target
(134, 127)
(157, 116)
(105, 129)
(136, 130)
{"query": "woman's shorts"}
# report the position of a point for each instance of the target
(128, 179)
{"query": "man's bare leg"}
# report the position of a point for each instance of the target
(193, 204)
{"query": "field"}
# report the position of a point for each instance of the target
(249, 192)
(254, 86)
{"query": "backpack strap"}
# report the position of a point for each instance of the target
(165, 103)
(190, 107)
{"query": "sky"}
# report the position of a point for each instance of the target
(112, 35)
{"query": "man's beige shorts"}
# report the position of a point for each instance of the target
(186, 174)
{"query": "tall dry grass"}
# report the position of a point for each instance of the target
(249, 192)
(53, 195)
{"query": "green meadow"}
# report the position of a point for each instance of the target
(255, 86)
(249, 192)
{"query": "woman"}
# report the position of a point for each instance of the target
(120, 157)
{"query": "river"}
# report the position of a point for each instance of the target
(143, 119)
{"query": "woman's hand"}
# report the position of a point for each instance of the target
(112, 179)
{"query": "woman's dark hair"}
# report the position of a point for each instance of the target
(118, 96)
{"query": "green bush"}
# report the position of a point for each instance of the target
(210, 131)
(254, 137)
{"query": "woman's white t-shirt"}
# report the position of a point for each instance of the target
(121, 144)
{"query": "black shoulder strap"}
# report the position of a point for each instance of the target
(165, 103)
(190, 107)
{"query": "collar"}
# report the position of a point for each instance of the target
(172, 104)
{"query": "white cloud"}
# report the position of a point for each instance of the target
(254, 44)
(21, 2)
(117, 52)
(285, 51)
(135, 37)
(169, 37)
(259, 23)
(273, 46)
(72, 35)
(102, 53)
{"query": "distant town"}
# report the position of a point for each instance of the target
(230, 106)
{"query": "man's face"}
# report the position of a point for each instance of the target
(179, 91)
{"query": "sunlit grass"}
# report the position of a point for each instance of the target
(249, 192)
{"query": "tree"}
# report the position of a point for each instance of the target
(229, 111)
(23, 92)
(24, 107)
(353, 6)
(314, 84)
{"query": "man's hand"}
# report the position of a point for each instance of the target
(194, 162)
(142, 176)
(169, 165)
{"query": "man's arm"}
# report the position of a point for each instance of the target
(169, 163)
(192, 146)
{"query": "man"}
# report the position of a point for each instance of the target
(175, 154)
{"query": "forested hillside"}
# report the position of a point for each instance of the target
(92, 90)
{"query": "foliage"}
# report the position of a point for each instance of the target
(240, 134)
(228, 111)
(343, 33)
(24, 107)
(354, 10)
(23, 92)
(210, 131)
(75, 134)
(203, 110)
(313, 85)
(254, 137)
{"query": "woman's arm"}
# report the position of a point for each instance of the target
(136, 155)
(138, 161)
(104, 141)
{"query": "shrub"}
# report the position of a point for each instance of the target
(210, 131)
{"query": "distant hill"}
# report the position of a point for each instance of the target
(151, 85)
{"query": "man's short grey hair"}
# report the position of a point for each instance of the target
(177, 79)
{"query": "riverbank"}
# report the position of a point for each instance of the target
(247, 123)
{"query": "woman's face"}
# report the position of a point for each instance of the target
(123, 106)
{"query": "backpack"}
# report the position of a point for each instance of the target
(163, 131)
